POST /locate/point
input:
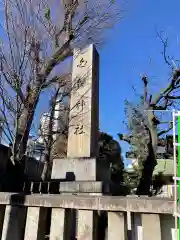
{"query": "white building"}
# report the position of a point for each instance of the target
(44, 126)
(35, 149)
(61, 110)
(60, 119)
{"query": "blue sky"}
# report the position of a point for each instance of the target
(134, 49)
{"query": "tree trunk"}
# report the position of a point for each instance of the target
(23, 127)
(21, 139)
(150, 162)
(24, 124)
(147, 173)
(46, 168)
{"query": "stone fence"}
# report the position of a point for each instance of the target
(58, 217)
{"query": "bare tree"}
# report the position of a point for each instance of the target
(34, 45)
(146, 122)
(54, 130)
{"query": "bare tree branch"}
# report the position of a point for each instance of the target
(165, 93)
(145, 81)
(165, 45)
(166, 130)
(173, 97)
(62, 80)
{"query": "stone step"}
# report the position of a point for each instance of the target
(56, 187)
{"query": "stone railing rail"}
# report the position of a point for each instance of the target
(36, 217)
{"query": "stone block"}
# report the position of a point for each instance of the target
(2, 213)
(84, 187)
(116, 226)
(151, 227)
(35, 223)
(81, 169)
(85, 225)
(57, 224)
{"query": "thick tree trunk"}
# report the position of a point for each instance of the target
(23, 128)
(24, 123)
(150, 162)
(147, 173)
(22, 136)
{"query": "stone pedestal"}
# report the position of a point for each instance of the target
(80, 169)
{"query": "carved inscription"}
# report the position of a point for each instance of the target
(82, 63)
(83, 120)
(80, 105)
(79, 129)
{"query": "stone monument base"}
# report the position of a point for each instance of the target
(80, 169)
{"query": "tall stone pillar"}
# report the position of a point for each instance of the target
(82, 151)
(84, 112)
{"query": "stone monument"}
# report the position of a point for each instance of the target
(82, 170)
(82, 151)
